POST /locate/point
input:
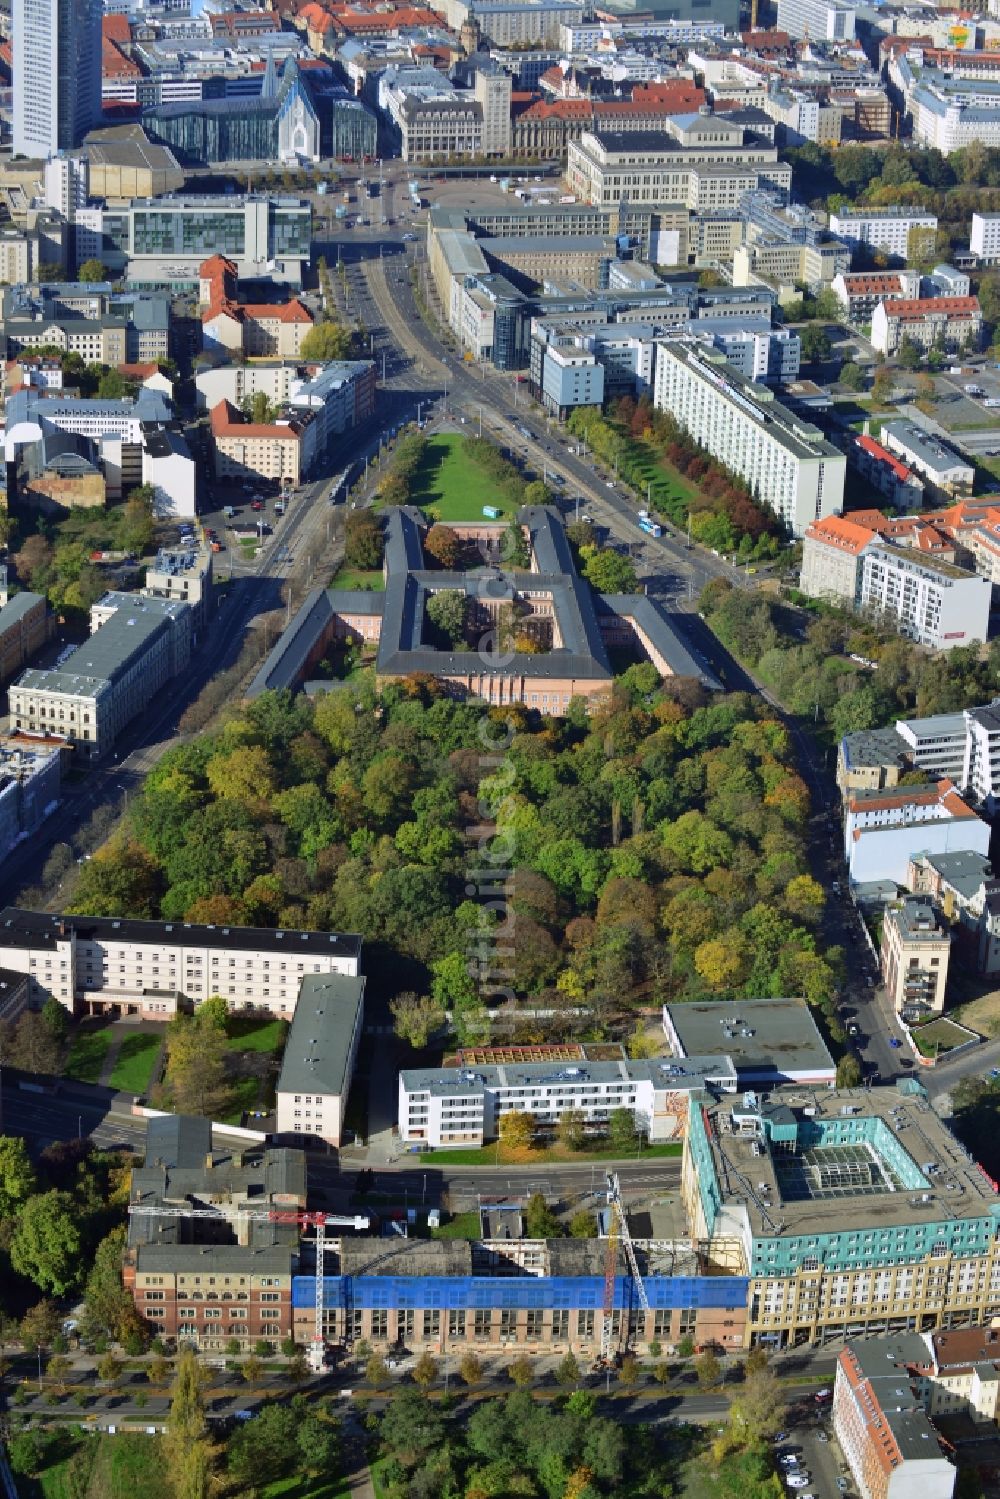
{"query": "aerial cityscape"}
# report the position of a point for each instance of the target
(500, 749)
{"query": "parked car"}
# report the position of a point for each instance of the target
(895, 1042)
(797, 1480)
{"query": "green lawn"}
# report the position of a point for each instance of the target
(451, 485)
(461, 1226)
(371, 580)
(490, 1155)
(87, 1052)
(124, 1466)
(255, 1033)
(938, 1037)
(244, 1093)
(307, 1488)
(136, 1060)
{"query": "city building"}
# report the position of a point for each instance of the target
(296, 117)
(885, 472)
(925, 598)
(30, 777)
(962, 747)
(184, 573)
(946, 472)
(102, 325)
(243, 449)
(704, 162)
(108, 680)
(571, 630)
(25, 626)
(881, 1423)
(851, 1212)
(984, 239)
(465, 1104)
(784, 459)
(338, 396)
(318, 1060)
(104, 965)
(915, 950)
(883, 829)
(886, 229)
(162, 242)
(860, 292)
(966, 893)
(208, 1283)
(832, 552)
(930, 322)
(56, 65)
(769, 1041)
(504, 1292)
(787, 264)
(269, 330)
(817, 20)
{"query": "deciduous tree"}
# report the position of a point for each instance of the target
(46, 1245)
(517, 1129)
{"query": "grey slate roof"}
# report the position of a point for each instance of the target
(319, 1040)
(40, 929)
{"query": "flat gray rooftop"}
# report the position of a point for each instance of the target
(766, 1038)
(319, 1039)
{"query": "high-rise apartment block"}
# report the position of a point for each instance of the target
(57, 74)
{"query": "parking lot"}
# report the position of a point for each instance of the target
(811, 1442)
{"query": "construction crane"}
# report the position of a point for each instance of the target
(320, 1222)
(617, 1230)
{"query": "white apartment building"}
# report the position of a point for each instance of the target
(102, 965)
(914, 955)
(783, 458)
(884, 829)
(947, 472)
(464, 1105)
(796, 114)
(952, 116)
(819, 20)
(955, 322)
(138, 644)
(885, 229)
(984, 240)
(928, 600)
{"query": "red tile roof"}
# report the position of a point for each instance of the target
(920, 307)
(869, 445)
(227, 421)
(838, 531)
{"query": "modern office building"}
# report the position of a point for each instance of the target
(914, 957)
(784, 459)
(109, 679)
(961, 747)
(817, 20)
(164, 241)
(185, 573)
(318, 1061)
(852, 1212)
(465, 1104)
(57, 74)
(101, 965)
(884, 829)
(886, 229)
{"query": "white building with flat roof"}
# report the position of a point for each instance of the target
(885, 229)
(928, 600)
(984, 238)
(783, 458)
(464, 1105)
(819, 20)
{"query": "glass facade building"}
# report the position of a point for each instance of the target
(57, 74)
